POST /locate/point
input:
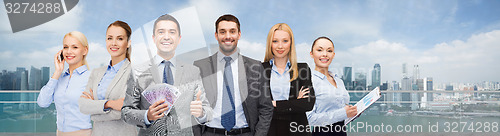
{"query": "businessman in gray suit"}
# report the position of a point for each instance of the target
(235, 86)
(191, 106)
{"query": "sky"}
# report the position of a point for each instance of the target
(450, 40)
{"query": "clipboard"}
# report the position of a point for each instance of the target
(364, 103)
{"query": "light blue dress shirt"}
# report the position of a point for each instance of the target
(65, 93)
(280, 82)
(330, 100)
(107, 79)
(161, 66)
(241, 121)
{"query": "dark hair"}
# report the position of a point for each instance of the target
(227, 17)
(322, 37)
(167, 17)
(128, 31)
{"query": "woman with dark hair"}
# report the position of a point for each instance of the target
(331, 107)
(105, 92)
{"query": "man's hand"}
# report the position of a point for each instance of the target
(156, 110)
(196, 106)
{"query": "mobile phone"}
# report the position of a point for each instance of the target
(61, 57)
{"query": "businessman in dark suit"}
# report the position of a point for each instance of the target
(234, 86)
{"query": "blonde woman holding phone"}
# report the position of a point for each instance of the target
(64, 87)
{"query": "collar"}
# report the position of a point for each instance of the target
(274, 68)
(234, 56)
(157, 60)
(117, 65)
(288, 64)
(322, 76)
(78, 70)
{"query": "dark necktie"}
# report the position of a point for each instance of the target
(228, 113)
(167, 73)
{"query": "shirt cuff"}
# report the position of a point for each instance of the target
(107, 109)
(343, 114)
(202, 120)
(146, 121)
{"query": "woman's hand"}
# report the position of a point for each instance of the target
(303, 93)
(59, 65)
(351, 111)
(115, 104)
(88, 95)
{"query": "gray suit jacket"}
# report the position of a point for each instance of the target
(107, 122)
(179, 121)
(256, 97)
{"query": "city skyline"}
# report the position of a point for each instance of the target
(359, 79)
(23, 79)
(449, 40)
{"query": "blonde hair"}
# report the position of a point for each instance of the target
(291, 55)
(83, 40)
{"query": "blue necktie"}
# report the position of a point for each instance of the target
(167, 73)
(228, 114)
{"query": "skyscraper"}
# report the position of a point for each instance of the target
(396, 96)
(376, 76)
(405, 70)
(45, 75)
(359, 81)
(406, 86)
(428, 85)
(347, 78)
(22, 78)
(35, 79)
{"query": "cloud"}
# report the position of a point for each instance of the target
(253, 50)
(472, 60)
(97, 56)
(37, 58)
(209, 11)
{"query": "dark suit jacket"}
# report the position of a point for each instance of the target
(293, 109)
(256, 99)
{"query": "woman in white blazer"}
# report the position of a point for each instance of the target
(105, 92)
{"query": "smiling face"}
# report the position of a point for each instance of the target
(227, 35)
(116, 41)
(323, 53)
(280, 44)
(73, 51)
(166, 36)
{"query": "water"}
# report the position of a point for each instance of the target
(424, 124)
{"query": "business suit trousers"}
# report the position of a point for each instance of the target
(215, 134)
